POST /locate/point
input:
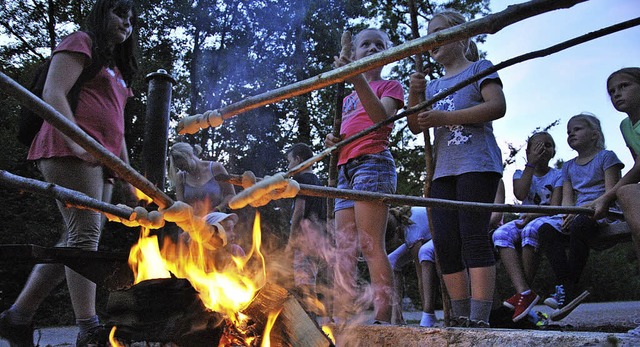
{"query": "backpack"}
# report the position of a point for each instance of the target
(29, 122)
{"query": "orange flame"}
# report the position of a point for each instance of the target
(271, 320)
(142, 196)
(329, 332)
(112, 339)
(223, 283)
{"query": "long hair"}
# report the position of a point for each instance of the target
(123, 54)
(453, 18)
(184, 150)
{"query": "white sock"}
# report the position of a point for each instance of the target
(428, 319)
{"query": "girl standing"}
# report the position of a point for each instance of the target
(195, 180)
(107, 43)
(586, 177)
(365, 164)
(537, 184)
(468, 167)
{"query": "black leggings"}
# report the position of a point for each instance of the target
(568, 268)
(461, 237)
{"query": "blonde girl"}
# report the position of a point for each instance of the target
(365, 164)
(586, 177)
(468, 167)
(195, 180)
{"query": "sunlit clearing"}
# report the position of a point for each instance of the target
(266, 337)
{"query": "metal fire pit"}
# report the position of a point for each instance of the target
(108, 269)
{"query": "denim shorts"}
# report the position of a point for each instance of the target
(370, 173)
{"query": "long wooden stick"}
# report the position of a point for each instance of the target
(417, 108)
(65, 195)
(333, 161)
(67, 127)
(486, 25)
(393, 199)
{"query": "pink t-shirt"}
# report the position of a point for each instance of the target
(355, 119)
(100, 110)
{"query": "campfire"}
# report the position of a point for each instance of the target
(182, 297)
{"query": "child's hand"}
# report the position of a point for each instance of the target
(601, 207)
(340, 61)
(432, 118)
(537, 154)
(566, 221)
(331, 140)
(345, 53)
(417, 83)
(525, 219)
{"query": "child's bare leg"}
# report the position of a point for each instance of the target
(511, 261)
(457, 285)
(483, 282)
(344, 281)
(415, 250)
(371, 219)
(629, 198)
(398, 291)
(530, 262)
(428, 270)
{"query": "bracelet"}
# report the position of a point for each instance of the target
(530, 165)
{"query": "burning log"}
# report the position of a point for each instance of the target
(170, 311)
(293, 326)
(163, 310)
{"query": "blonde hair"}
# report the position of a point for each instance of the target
(180, 150)
(387, 40)
(594, 123)
(453, 18)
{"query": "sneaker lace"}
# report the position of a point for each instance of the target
(559, 295)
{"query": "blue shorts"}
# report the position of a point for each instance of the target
(370, 173)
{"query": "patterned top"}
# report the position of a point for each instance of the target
(464, 148)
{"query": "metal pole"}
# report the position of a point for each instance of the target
(156, 129)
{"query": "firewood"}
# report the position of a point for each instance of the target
(293, 326)
(163, 310)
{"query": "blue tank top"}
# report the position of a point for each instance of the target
(209, 193)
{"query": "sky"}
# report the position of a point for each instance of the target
(561, 85)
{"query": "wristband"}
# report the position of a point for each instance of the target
(530, 165)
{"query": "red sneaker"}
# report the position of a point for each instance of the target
(524, 305)
(511, 302)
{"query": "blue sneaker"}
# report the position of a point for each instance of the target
(557, 299)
